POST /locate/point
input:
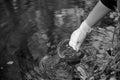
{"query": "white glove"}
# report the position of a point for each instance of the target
(79, 35)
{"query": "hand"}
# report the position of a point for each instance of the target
(78, 36)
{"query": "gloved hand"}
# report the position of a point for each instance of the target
(79, 35)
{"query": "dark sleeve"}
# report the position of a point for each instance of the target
(110, 3)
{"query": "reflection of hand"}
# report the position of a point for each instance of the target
(78, 36)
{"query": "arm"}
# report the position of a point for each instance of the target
(98, 12)
(79, 35)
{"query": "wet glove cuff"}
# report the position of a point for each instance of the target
(85, 27)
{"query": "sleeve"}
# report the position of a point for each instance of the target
(110, 4)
